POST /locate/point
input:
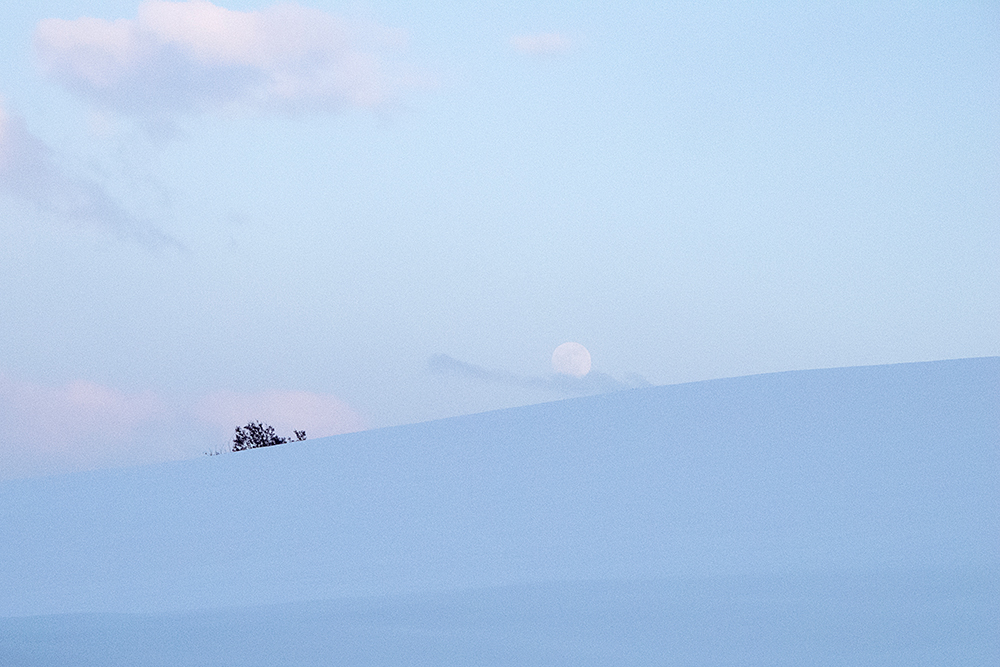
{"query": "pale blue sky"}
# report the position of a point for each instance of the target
(690, 190)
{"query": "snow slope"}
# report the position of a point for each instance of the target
(814, 481)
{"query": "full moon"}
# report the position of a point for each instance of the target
(571, 359)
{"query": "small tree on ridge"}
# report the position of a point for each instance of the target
(257, 434)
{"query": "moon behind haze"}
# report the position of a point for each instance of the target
(571, 359)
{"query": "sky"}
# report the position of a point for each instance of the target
(342, 216)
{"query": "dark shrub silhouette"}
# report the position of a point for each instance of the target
(257, 434)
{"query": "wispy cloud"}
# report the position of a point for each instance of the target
(593, 382)
(193, 56)
(542, 44)
(317, 414)
(30, 171)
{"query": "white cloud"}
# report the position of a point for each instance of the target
(542, 44)
(317, 414)
(30, 171)
(193, 56)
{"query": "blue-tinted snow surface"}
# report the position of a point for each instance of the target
(866, 499)
(887, 619)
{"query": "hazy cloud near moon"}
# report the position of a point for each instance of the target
(30, 171)
(593, 382)
(194, 56)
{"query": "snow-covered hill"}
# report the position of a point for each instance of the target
(799, 479)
